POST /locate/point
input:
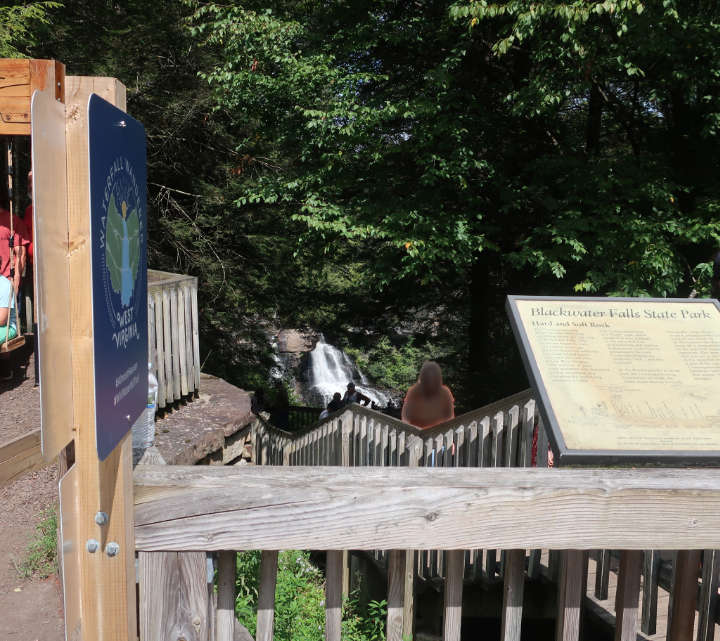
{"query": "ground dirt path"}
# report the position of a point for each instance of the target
(30, 609)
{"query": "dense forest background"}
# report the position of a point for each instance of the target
(387, 172)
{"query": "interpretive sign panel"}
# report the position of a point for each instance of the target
(624, 379)
(118, 225)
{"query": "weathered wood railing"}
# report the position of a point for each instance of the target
(173, 335)
(183, 512)
(498, 435)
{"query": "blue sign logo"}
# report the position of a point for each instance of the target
(118, 210)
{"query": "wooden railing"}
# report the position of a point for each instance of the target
(183, 512)
(173, 335)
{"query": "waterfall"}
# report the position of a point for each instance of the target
(331, 370)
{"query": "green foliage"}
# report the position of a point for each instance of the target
(19, 23)
(300, 602)
(41, 556)
(394, 367)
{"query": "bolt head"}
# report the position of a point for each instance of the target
(101, 518)
(92, 546)
(112, 549)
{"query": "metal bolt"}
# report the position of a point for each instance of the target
(112, 549)
(101, 518)
(92, 546)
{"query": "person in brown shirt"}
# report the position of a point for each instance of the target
(428, 402)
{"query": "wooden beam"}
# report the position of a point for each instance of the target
(209, 508)
(18, 79)
(266, 596)
(396, 595)
(628, 595)
(107, 583)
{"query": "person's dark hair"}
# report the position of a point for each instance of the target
(351, 385)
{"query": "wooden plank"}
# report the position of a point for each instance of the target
(167, 341)
(266, 596)
(628, 594)
(684, 595)
(181, 347)
(333, 595)
(20, 456)
(651, 568)
(709, 599)
(513, 588)
(334, 508)
(195, 335)
(453, 595)
(396, 595)
(173, 597)
(526, 434)
(107, 584)
(225, 614)
(567, 626)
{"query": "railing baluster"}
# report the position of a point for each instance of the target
(266, 596)
(567, 627)
(651, 570)
(626, 598)
(333, 595)
(225, 616)
(513, 590)
(708, 608)
(396, 595)
(683, 595)
(453, 595)
(393, 458)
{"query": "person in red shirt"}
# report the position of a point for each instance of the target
(428, 402)
(11, 263)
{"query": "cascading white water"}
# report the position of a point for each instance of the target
(332, 369)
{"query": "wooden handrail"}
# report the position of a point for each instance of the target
(271, 508)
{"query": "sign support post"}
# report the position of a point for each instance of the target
(102, 489)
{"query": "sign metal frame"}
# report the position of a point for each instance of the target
(565, 455)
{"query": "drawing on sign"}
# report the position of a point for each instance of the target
(624, 379)
(121, 238)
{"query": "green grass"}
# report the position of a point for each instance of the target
(41, 555)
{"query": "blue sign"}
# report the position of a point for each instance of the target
(118, 225)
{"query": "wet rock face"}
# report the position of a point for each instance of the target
(295, 341)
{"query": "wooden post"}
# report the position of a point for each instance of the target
(225, 616)
(174, 599)
(414, 448)
(106, 583)
(567, 627)
(684, 595)
(396, 595)
(514, 584)
(333, 596)
(628, 595)
(266, 596)
(453, 594)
